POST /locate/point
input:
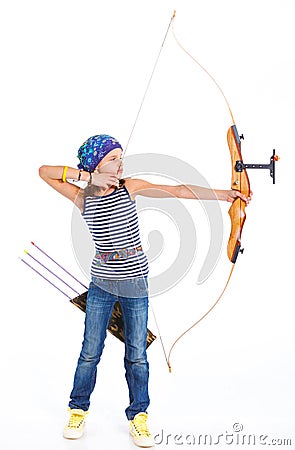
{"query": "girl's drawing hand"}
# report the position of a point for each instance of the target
(105, 180)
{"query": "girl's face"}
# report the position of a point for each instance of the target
(111, 163)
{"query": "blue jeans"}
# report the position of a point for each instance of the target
(102, 295)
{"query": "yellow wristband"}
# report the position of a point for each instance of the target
(64, 174)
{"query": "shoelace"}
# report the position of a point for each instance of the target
(141, 426)
(76, 419)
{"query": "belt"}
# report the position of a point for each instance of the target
(123, 253)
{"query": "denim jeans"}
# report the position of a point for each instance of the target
(102, 295)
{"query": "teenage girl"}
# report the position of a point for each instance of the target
(119, 271)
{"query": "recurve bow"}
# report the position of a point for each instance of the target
(239, 182)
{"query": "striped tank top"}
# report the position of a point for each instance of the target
(113, 223)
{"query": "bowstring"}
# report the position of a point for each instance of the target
(148, 85)
(206, 72)
(123, 154)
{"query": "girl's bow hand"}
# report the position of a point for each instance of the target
(232, 194)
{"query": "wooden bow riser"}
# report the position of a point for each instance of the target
(239, 182)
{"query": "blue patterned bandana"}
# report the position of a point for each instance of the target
(94, 150)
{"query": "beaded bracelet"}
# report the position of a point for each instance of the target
(90, 178)
(79, 176)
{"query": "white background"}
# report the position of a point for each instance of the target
(71, 69)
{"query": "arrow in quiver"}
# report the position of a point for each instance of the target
(116, 324)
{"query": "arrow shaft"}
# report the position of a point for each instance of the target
(55, 262)
(50, 282)
(52, 273)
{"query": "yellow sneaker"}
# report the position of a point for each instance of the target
(140, 432)
(75, 427)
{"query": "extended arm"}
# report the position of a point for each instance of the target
(146, 189)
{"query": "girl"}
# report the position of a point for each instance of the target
(119, 271)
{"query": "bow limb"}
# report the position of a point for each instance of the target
(198, 321)
(240, 180)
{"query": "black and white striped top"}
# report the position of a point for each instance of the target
(113, 223)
